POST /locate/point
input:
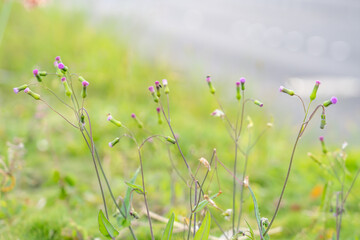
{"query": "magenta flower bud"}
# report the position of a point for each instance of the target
(57, 58)
(159, 115)
(36, 72)
(114, 142)
(139, 123)
(27, 90)
(21, 88)
(158, 86)
(114, 121)
(85, 83)
(242, 81)
(316, 87)
(61, 66)
(287, 91)
(152, 91)
(31, 93)
(63, 79)
(211, 87)
(238, 95)
(333, 100)
(257, 102)
(323, 144)
(208, 79)
(158, 109)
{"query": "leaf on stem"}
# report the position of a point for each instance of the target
(204, 230)
(105, 227)
(169, 228)
(135, 187)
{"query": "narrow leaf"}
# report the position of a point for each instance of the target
(203, 203)
(105, 227)
(169, 228)
(257, 215)
(251, 231)
(135, 187)
(204, 230)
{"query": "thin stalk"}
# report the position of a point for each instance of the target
(59, 114)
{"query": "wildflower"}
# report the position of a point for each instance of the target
(204, 162)
(152, 91)
(159, 115)
(62, 67)
(171, 140)
(139, 123)
(257, 102)
(114, 142)
(321, 138)
(66, 86)
(58, 59)
(287, 91)
(313, 94)
(323, 121)
(19, 89)
(238, 95)
(333, 100)
(212, 89)
(242, 81)
(166, 87)
(114, 121)
(31, 93)
(218, 113)
(37, 75)
(84, 89)
(158, 86)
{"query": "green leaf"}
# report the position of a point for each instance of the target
(105, 226)
(204, 230)
(257, 215)
(203, 203)
(135, 187)
(70, 181)
(251, 231)
(169, 228)
(125, 207)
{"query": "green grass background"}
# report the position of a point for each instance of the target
(119, 79)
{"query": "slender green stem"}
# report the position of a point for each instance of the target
(4, 17)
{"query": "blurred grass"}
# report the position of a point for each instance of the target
(119, 79)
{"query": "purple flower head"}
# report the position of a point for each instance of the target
(26, 90)
(164, 81)
(237, 84)
(208, 79)
(334, 100)
(321, 138)
(133, 115)
(158, 109)
(85, 83)
(61, 66)
(110, 144)
(63, 79)
(281, 88)
(151, 89)
(16, 90)
(109, 117)
(35, 72)
(242, 80)
(318, 83)
(57, 58)
(157, 83)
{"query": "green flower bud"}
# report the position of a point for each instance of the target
(84, 89)
(31, 93)
(114, 142)
(287, 91)
(316, 87)
(211, 87)
(323, 121)
(257, 102)
(171, 140)
(238, 95)
(68, 91)
(114, 121)
(166, 87)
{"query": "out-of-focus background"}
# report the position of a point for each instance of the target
(122, 47)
